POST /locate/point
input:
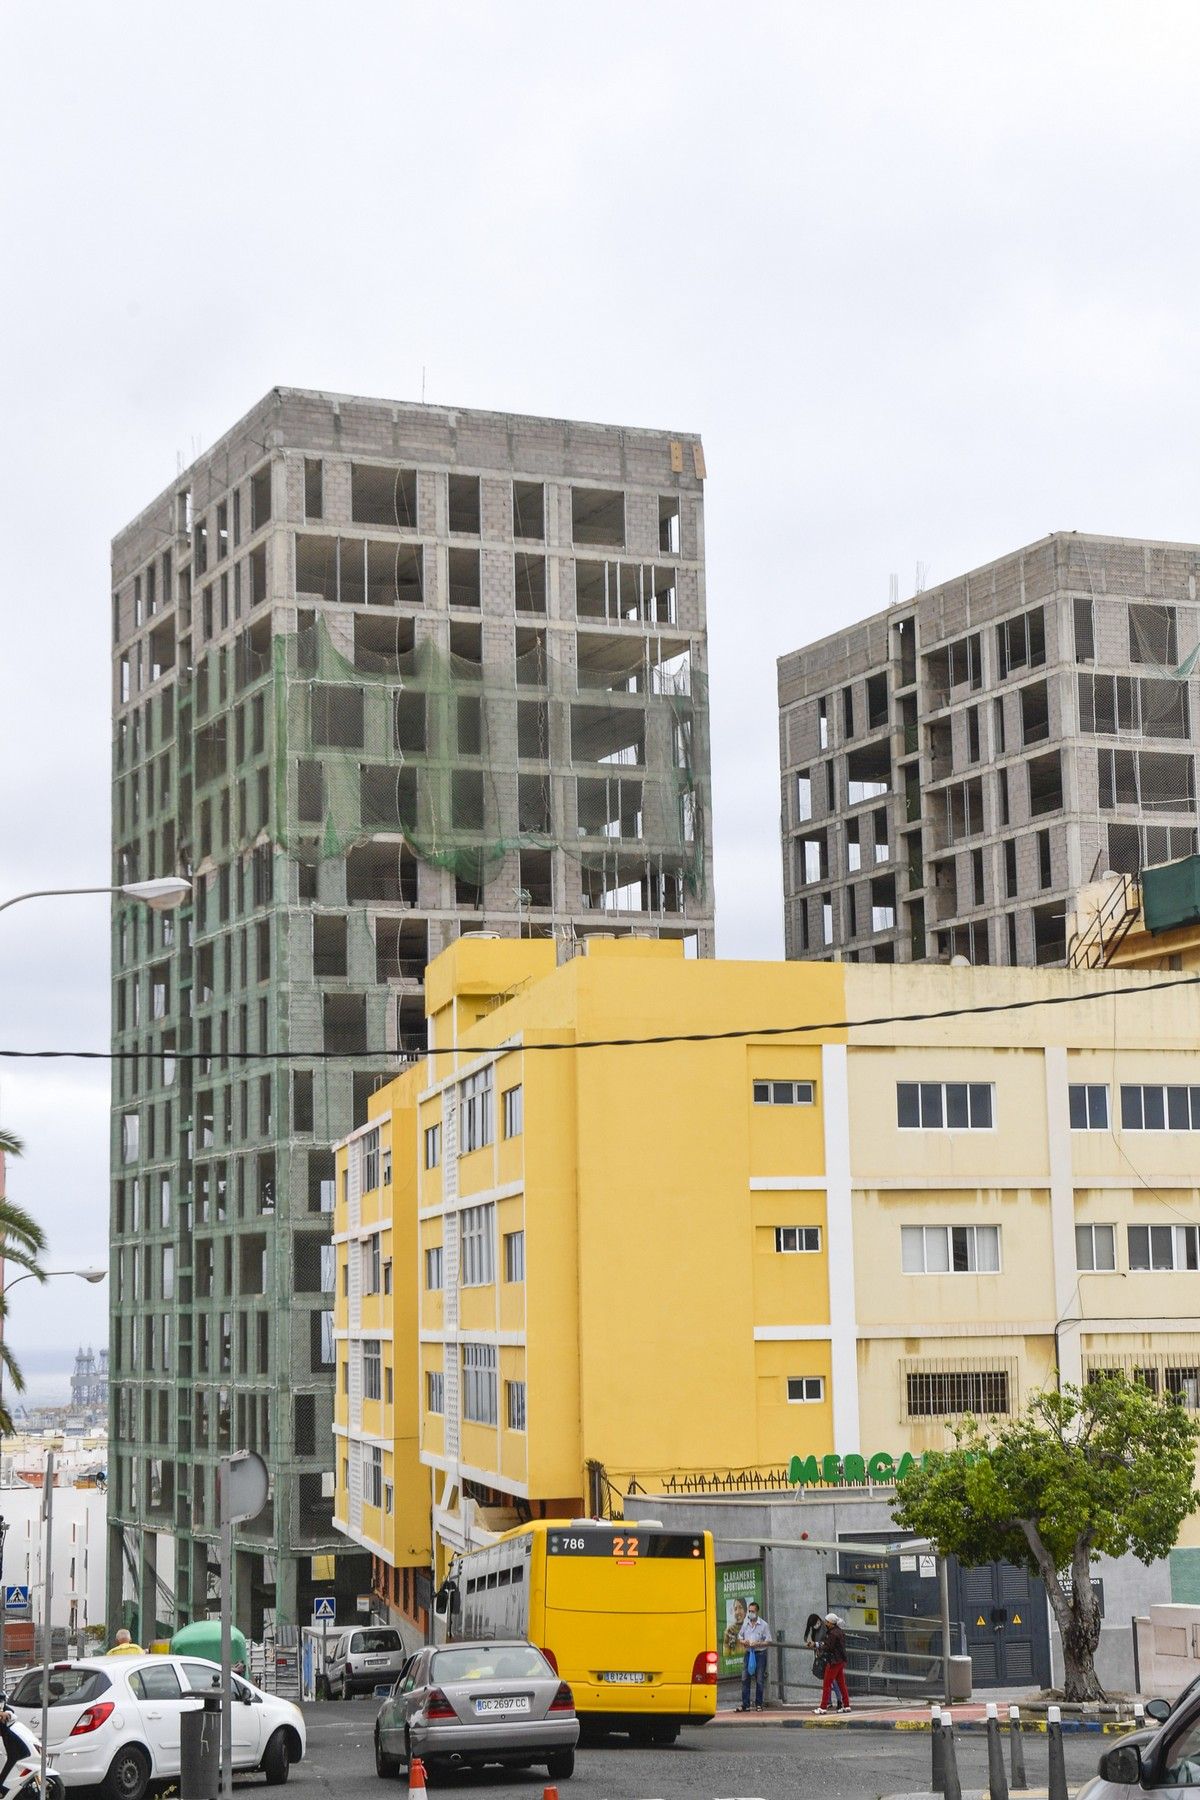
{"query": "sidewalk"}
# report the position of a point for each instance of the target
(885, 1715)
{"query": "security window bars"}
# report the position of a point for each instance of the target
(944, 1105)
(433, 1146)
(475, 1128)
(805, 1388)
(984, 1392)
(478, 1236)
(1089, 1106)
(370, 1161)
(514, 1395)
(372, 1369)
(950, 1249)
(785, 1093)
(1164, 1247)
(514, 1111)
(1160, 1108)
(790, 1239)
(514, 1256)
(1095, 1247)
(479, 1383)
(434, 1266)
(435, 1390)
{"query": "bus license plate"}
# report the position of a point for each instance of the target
(624, 1675)
(517, 1703)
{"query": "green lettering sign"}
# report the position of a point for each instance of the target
(881, 1467)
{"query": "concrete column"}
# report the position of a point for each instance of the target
(147, 1587)
(839, 1243)
(1062, 1215)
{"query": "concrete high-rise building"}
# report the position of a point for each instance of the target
(955, 767)
(382, 674)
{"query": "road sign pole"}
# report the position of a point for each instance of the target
(324, 1659)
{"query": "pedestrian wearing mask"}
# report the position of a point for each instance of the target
(754, 1637)
(833, 1649)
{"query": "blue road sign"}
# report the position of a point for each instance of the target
(324, 1609)
(15, 1598)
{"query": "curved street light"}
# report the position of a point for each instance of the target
(162, 894)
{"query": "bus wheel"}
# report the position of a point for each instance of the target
(663, 1732)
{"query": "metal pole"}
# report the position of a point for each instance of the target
(226, 1648)
(48, 1591)
(944, 1605)
(3, 1609)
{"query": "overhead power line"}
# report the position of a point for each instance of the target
(805, 1027)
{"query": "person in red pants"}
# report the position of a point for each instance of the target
(833, 1648)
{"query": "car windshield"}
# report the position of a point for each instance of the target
(490, 1662)
(68, 1687)
(370, 1643)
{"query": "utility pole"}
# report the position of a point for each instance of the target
(48, 1592)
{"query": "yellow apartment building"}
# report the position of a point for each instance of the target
(809, 1210)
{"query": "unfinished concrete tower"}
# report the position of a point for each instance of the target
(382, 673)
(955, 767)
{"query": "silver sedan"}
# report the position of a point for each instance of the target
(460, 1706)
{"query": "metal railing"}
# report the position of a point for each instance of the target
(1110, 923)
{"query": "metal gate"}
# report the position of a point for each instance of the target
(1003, 1611)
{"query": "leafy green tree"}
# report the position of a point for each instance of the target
(1081, 1473)
(21, 1241)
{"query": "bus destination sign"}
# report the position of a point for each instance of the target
(626, 1546)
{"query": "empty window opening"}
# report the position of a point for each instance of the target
(637, 593)
(222, 531)
(877, 702)
(608, 735)
(598, 516)
(310, 792)
(534, 811)
(1049, 934)
(314, 488)
(387, 797)
(302, 1100)
(336, 716)
(260, 497)
(412, 1038)
(1035, 713)
(954, 666)
(257, 561)
(529, 582)
(977, 887)
(466, 651)
(463, 577)
(812, 858)
(401, 949)
(904, 649)
(868, 772)
(533, 730)
(1045, 785)
(529, 509)
(344, 1023)
(1045, 861)
(1085, 629)
(847, 712)
(383, 496)
(411, 730)
(537, 878)
(883, 903)
(329, 944)
(462, 504)
(384, 646)
(668, 524)
(1152, 634)
(469, 725)
(609, 807)
(385, 872)
(1021, 642)
(466, 799)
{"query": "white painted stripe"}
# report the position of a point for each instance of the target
(839, 1238)
(505, 1339)
(786, 1184)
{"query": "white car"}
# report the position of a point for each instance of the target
(114, 1720)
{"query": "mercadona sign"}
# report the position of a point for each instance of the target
(850, 1471)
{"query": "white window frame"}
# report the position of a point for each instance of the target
(811, 1390)
(513, 1100)
(372, 1469)
(1086, 1233)
(477, 1245)
(797, 1240)
(435, 1391)
(924, 1101)
(433, 1145)
(475, 1130)
(435, 1268)
(947, 1235)
(1180, 1236)
(1164, 1090)
(372, 1369)
(480, 1376)
(370, 1160)
(514, 1255)
(515, 1405)
(1094, 1101)
(784, 1093)
(372, 1264)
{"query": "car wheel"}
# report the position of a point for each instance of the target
(561, 1766)
(128, 1774)
(385, 1765)
(276, 1762)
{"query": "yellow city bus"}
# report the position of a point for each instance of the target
(626, 1611)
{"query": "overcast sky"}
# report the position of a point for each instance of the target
(926, 277)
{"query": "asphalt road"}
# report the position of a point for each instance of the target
(721, 1762)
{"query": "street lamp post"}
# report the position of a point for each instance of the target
(90, 1275)
(161, 895)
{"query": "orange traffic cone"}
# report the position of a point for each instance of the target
(550, 1793)
(416, 1777)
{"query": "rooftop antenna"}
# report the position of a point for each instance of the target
(422, 384)
(893, 590)
(922, 577)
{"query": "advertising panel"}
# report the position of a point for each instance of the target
(737, 1584)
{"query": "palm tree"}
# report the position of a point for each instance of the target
(21, 1240)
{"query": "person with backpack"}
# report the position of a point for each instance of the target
(833, 1652)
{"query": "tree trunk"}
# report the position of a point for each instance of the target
(1077, 1618)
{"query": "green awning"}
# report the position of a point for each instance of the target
(1171, 894)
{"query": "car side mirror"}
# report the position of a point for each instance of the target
(446, 1600)
(1159, 1710)
(1122, 1766)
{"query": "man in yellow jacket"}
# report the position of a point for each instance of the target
(123, 1645)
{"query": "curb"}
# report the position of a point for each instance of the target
(963, 1727)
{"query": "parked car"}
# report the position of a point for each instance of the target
(115, 1720)
(469, 1704)
(1166, 1761)
(371, 1656)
